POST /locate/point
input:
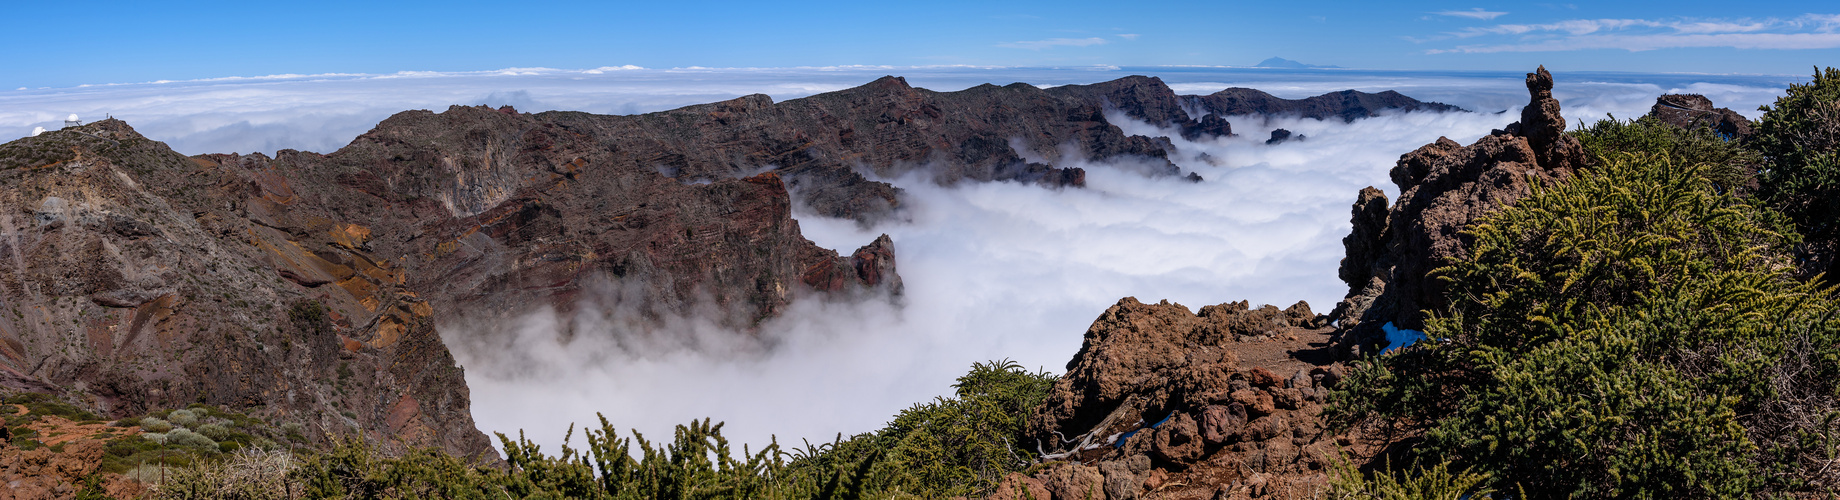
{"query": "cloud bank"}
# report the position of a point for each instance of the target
(1475, 13)
(1810, 31)
(992, 271)
(322, 113)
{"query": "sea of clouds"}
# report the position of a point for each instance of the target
(992, 270)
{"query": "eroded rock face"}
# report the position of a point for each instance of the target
(1347, 105)
(139, 279)
(823, 144)
(1220, 404)
(1281, 136)
(306, 288)
(1693, 111)
(1143, 361)
(1444, 187)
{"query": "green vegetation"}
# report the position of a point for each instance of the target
(1638, 330)
(1800, 139)
(1728, 165)
(211, 434)
(1643, 329)
(1436, 483)
(951, 446)
(311, 318)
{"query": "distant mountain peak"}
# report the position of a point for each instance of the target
(1279, 62)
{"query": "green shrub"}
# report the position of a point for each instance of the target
(154, 424)
(1436, 483)
(215, 431)
(183, 418)
(311, 318)
(958, 446)
(952, 446)
(1800, 139)
(1622, 334)
(185, 437)
(1726, 163)
(41, 404)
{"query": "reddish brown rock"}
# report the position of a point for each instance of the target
(1221, 423)
(1256, 402)
(1141, 362)
(1071, 481)
(1695, 111)
(1170, 387)
(1348, 105)
(1177, 440)
(1444, 187)
(1259, 376)
(1016, 486)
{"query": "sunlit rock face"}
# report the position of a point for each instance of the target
(1444, 187)
(306, 287)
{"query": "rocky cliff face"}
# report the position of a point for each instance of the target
(1694, 111)
(1162, 402)
(138, 278)
(1220, 404)
(306, 287)
(1348, 105)
(824, 144)
(1444, 186)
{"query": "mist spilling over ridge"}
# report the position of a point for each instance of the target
(798, 264)
(999, 270)
(324, 112)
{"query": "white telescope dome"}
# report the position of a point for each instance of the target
(73, 117)
(37, 130)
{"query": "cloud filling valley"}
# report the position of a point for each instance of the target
(992, 270)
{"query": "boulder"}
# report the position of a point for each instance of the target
(1073, 481)
(1694, 110)
(1444, 187)
(1151, 360)
(1280, 136)
(1016, 486)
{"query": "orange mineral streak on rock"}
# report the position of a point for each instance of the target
(350, 236)
(390, 329)
(362, 289)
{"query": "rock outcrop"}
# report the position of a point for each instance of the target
(824, 144)
(1694, 111)
(1444, 187)
(307, 287)
(1161, 402)
(1281, 136)
(138, 278)
(1349, 105)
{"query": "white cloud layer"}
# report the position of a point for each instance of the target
(992, 271)
(322, 113)
(995, 270)
(1810, 31)
(1475, 13)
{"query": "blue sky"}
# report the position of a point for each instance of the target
(62, 44)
